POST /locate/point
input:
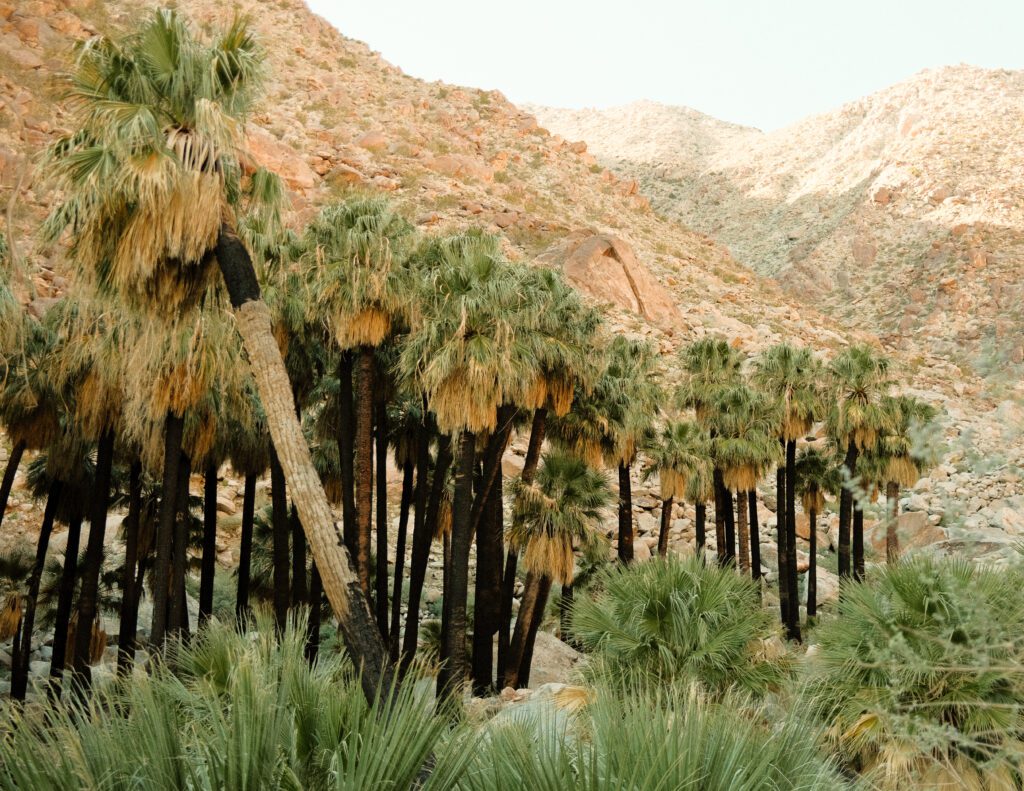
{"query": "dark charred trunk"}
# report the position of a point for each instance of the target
(381, 457)
(730, 526)
(793, 623)
(490, 551)
(812, 566)
(892, 509)
(625, 516)
(209, 562)
(346, 451)
(422, 537)
(700, 518)
(65, 598)
(88, 592)
(755, 536)
(280, 530)
(721, 546)
(364, 464)
(403, 526)
(846, 511)
(780, 540)
(173, 427)
(128, 625)
(316, 595)
(177, 617)
(245, 548)
(858, 543)
(23, 641)
(531, 615)
(9, 474)
(452, 673)
(666, 523)
(300, 594)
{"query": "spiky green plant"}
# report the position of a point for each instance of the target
(677, 621)
(920, 676)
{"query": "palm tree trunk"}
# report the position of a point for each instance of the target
(780, 541)
(346, 451)
(625, 516)
(846, 512)
(341, 585)
(89, 588)
(23, 642)
(493, 454)
(129, 615)
(793, 624)
(381, 458)
(538, 429)
(565, 603)
(280, 529)
(858, 543)
(812, 566)
(720, 545)
(666, 522)
(245, 547)
(490, 550)
(531, 615)
(400, 540)
(364, 463)
(755, 536)
(300, 594)
(456, 584)
(730, 526)
(9, 474)
(741, 530)
(892, 507)
(173, 427)
(65, 597)
(177, 617)
(700, 517)
(316, 595)
(424, 528)
(209, 561)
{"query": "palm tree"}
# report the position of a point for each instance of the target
(859, 379)
(681, 457)
(792, 376)
(816, 475)
(362, 291)
(149, 180)
(744, 447)
(553, 514)
(906, 460)
(710, 365)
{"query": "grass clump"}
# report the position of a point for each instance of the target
(678, 620)
(920, 676)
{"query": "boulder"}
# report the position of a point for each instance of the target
(372, 141)
(605, 267)
(460, 166)
(268, 152)
(553, 660)
(913, 530)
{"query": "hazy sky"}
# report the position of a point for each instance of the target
(754, 62)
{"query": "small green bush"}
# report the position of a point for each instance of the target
(920, 675)
(680, 620)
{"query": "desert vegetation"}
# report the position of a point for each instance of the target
(201, 332)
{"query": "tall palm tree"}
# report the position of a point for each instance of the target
(859, 378)
(792, 376)
(817, 475)
(149, 180)
(710, 365)
(906, 460)
(681, 458)
(555, 513)
(362, 291)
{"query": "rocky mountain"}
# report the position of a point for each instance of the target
(898, 213)
(338, 119)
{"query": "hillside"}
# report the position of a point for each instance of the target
(338, 119)
(898, 213)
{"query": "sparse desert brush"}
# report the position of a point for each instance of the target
(920, 676)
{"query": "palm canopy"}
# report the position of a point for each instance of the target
(559, 508)
(860, 378)
(905, 458)
(744, 424)
(154, 164)
(709, 365)
(468, 350)
(29, 402)
(792, 375)
(355, 259)
(630, 398)
(681, 457)
(817, 475)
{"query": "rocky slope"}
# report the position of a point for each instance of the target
(338, 119)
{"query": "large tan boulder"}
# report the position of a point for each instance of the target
(268, 152)
(912, 528)
(605, 267)
(460, 166)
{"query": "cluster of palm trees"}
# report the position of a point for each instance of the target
(201, 332)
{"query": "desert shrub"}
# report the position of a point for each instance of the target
(676, 620)
(920, 675)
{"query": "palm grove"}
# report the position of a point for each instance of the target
(201, 332)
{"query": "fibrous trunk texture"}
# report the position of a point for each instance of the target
(364, 464)
(666, 523)
(741, 529)
(892, 507)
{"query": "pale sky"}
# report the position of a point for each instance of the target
(764, 63)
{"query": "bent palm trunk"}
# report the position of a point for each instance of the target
(8, 481)
(350, 604)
